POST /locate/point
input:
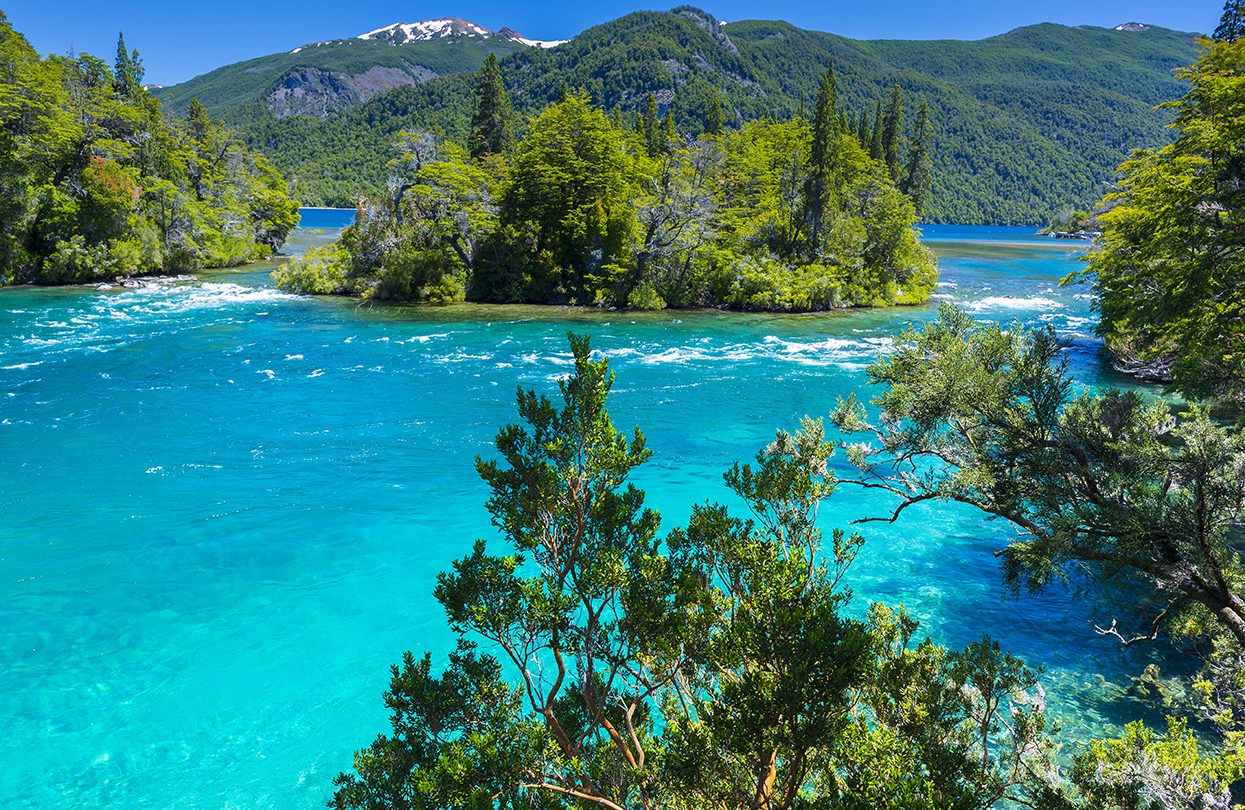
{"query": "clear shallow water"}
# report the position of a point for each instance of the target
(223, 507)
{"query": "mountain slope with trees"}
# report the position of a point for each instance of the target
(1025, 125)
(326, 77)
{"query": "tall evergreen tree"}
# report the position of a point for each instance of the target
(200, 122)
(917, 176)
(127, 70)
(715, 121)
(862, 129)
(876, 149)
(819, 188)
(492, 126)
(669, 134)
(892, 132)
(649, 125)
(1232, 23)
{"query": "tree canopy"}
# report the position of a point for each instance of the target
(786, 216)
(97, 183)
(717, 666)
(1170, 270)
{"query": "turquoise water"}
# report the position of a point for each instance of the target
(222, 507)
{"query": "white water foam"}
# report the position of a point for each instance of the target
(1033, 302)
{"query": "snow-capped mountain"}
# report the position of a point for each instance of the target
(427, 30)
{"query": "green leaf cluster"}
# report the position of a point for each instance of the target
(775, 216)
(1170, 271)
(1103, 485)
(97, 183)
(715, 668)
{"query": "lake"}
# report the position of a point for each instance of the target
(223, 507)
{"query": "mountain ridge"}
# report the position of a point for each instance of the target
(1027, 123)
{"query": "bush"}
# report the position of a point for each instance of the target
(321, 271)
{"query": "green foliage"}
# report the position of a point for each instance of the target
(586, 212)
(96, 183)
(1023, 123)
(1103, 484)
(918, 178)
(1170, 274)
(320, 271)
(714, 669)
(1146, 770)
(568, 195)
(492, 127)
(892, 131)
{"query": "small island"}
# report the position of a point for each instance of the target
(809, 214)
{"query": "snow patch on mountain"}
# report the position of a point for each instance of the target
(515, 36)
(399, 33)
(427, 30)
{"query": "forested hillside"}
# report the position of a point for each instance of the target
(326, 77)
(1026, 124)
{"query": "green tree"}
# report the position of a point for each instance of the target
(98, 182)
(1232, 23)
(566, 205)
(127, 70)
(1103, 484)
(1170, 271)
(892, 133)
(197, 117)
(877, 137)
(715, 669)
(492, 125)
(1148, 770)
(649, 126)
(820, 188)
(918, 178)
(715, 121)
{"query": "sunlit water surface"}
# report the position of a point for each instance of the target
(223, 507)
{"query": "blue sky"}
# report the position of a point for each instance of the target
(179, 40)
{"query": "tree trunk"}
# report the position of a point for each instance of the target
(767, 774)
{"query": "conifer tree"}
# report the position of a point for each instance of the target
(200, 122)
(648, 126)
(892, 132)
(492, 126)
(862, 129)
(127, 70)
(1232, 23)
(715, 121)
(819, 188)
(669, 134)
(876, 149)
(917, 176)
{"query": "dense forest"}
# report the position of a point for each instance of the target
(782, 216)
(97, 182)
(719, 665)
(1026, 124)
(1170, 270)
